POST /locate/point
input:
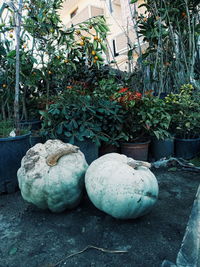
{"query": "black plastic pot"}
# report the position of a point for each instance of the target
(31, 124)
(36, 139)
(89, 149)
(12, 150)
(162, 148)
(187, 148)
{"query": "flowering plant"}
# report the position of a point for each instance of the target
(145, 115)
(133, 128)
(126, 97)
(185, 111)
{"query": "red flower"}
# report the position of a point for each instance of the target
(122, 90)
(138, 95)
(133, 96)
(51, 102)
(130, 96)
(126, 96)
(149, 92)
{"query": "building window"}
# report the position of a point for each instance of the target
(73, 13)
(114, 49)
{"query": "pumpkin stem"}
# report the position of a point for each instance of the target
(137, 163)
(53, 158)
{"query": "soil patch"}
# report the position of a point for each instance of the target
(31, 237)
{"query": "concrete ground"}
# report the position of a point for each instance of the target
(34, 238)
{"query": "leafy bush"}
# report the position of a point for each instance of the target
(155, 117)
(51, 56)
(144, 115)
(105, 88)
(6, 127)
(82, 116)
(185, 111)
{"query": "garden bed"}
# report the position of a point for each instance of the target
(31, 237)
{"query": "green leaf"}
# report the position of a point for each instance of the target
(73, 65)
(13, 251)
(130, 54)
(80, 138)
(60, 129)
(68, 134)
(11, 54)
(103, 47)
(55, 111)
(95, 45)
(104, 138)
(75, 124)
(157, 134)
(71, 141)
(176, 10)
(86, 133)
(79, 54)
(133, 1)
(100, 57)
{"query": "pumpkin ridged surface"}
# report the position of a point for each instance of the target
(120, 190)
(54, 187)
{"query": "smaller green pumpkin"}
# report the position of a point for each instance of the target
(120, 186)
(51, 175)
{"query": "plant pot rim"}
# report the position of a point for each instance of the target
(171, 138)
(33, 121)
(15, 138)
(139, 142)
(187, 139)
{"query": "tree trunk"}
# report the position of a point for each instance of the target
(18, 15)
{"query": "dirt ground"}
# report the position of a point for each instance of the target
(31, 237)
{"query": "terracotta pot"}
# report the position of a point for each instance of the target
(138, 151)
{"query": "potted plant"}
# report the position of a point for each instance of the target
(185, 125)
(112, 118)
(134, 137)
(155, 114)
(105, 88)
(42, 54)
(82, 120)
(14, 141)
(12, 149)
(146, 119)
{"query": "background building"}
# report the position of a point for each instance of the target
(118, 14)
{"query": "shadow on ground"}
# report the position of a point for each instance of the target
(34, 238)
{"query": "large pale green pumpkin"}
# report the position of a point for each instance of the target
(51, 175)
(121, 186)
